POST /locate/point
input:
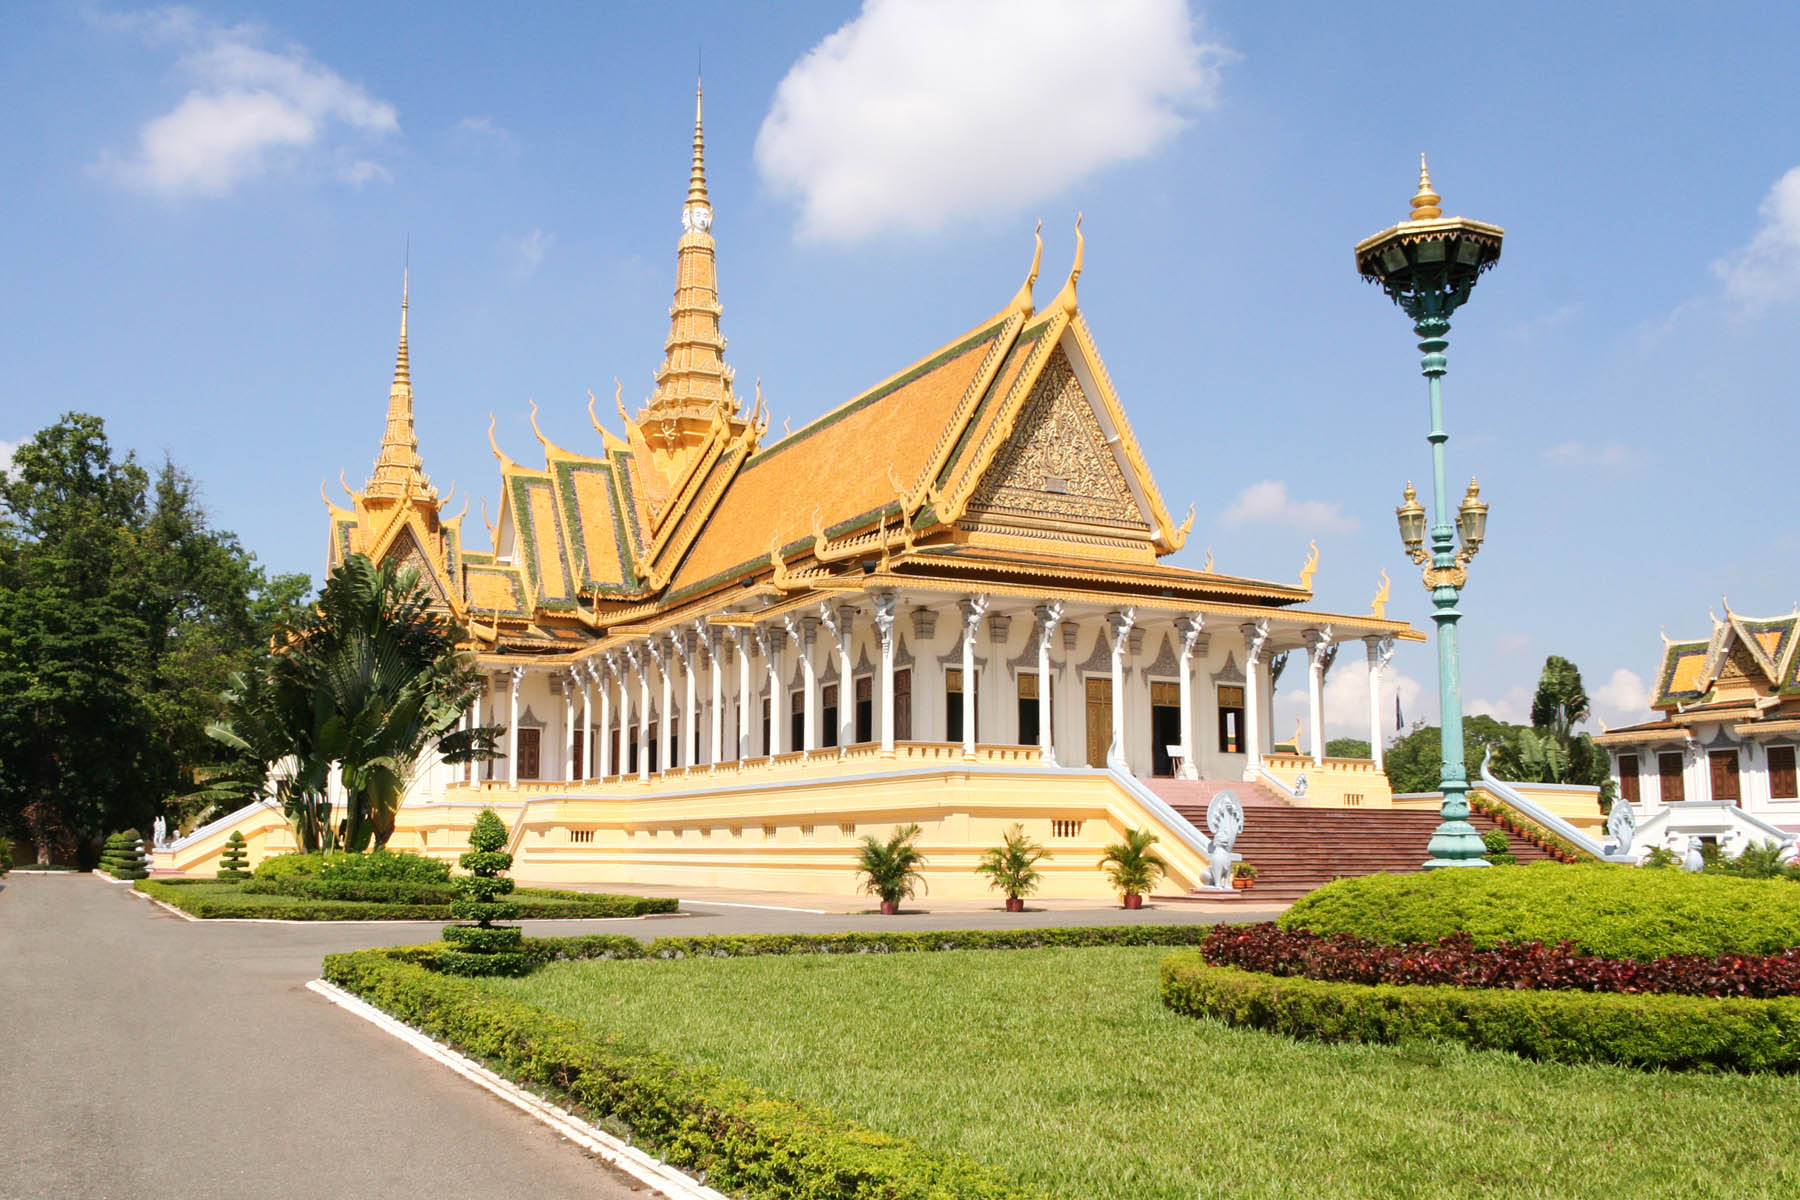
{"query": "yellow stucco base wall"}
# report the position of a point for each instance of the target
(794, 829)
(1334, 783)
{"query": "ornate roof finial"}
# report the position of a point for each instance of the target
(402, 366)
(697, 175)
(1425, 201)
(1066, 298)
(1022, 300)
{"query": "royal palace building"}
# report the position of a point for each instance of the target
(722, 657)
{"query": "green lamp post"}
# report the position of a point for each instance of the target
(1428, 265)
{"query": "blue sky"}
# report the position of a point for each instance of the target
(207, 210)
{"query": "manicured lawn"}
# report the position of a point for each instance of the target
(1063, 1067)
(225, 900)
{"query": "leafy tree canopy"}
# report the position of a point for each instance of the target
(122, 612)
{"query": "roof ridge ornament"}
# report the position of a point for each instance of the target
(1065, 299)
(1022, 300)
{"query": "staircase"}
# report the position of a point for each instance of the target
(1297, 849)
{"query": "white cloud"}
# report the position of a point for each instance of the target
(1513, 707)
(6, 453)
(1767, 269)
(1612, 456)
(248, 110)
(1268, 503)
(363, 171)
(1346, 698)
(484, 126)
(1623, 699)
(531, 249)
(920, 112)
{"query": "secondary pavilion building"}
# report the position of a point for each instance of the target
(721, 658)
(1718, 762)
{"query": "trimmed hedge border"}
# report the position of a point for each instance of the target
(1668, 1032)
(591, 905)
(745, 1141)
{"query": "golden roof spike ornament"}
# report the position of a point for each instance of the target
(1426, 204)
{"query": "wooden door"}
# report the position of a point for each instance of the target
(903, 705)
(529, 741)
(1668, 771)
(1724, 767)
(1099, 719)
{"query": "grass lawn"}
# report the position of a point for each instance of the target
(223, 899)
(1063, 1067)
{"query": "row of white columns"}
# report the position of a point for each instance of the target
(613, 670)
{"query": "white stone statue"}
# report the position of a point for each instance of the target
(1300, 784)
(161, 835)
(1693, 862)
(1225, 819)
(1621, 826)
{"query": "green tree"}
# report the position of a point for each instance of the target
(1414, 761)
(1347, 748)
(1559, 690)
(122, 613)
(369, 680)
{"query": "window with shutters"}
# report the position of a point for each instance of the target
(1668, 774)
(903, 705)
(530, 744)
(865, 709)
(1628, 777)
(1781, 774)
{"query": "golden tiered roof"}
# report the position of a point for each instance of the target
(1003, 460)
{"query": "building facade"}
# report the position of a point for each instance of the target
(722, 657)
(1718, 762)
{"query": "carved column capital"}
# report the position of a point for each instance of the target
(972, 608)
(1189, 630)
(1119, 624)
(1256, 636)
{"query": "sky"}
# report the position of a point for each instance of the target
(209, 209)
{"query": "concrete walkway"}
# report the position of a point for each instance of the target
(142, 1054)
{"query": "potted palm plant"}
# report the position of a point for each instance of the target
(1244, 876)
(1132, 867)
(890, 869)
(1011, 867)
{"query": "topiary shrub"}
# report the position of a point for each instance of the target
(1612, 911)
(234, 863)
(123, 856)
(484, 948)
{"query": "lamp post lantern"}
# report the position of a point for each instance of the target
(1428, 265)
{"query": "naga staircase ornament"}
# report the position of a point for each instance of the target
(1225, 821)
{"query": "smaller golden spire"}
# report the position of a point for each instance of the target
(402, 365)
(1425, 201)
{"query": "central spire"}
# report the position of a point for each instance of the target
(398, 469)
(693, 382)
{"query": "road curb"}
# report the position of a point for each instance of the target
(659, 1176)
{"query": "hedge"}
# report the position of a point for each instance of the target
(392, 865)
(1670, 1032)
(1612, 911)
(742, 1140)
(371, 891)
(543, 906)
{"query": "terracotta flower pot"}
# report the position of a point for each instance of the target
(1242, 884)
(1134, 900)
(889, 907)
(1015, 904)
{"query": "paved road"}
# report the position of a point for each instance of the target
(145, 1055)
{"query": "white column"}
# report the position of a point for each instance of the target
(587, 719)
(1049, 617)
(626, 660)
(885, 604)
(1119, 623)
(1188, 629)
(837, 624)
(972, 609)
(1256, 636)
(769, 642)
(665, 728)
(512, 730)
(568, 694)
(805, 631)
(743, 639)
(1318, 649)
(690, 723)
(603, 739)
(716, 681)
(1381, 652)
(480, 707)
(641, 660)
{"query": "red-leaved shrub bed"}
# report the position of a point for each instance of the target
(1454, 961)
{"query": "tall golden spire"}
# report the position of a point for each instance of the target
(693, 382)
(398, 470)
